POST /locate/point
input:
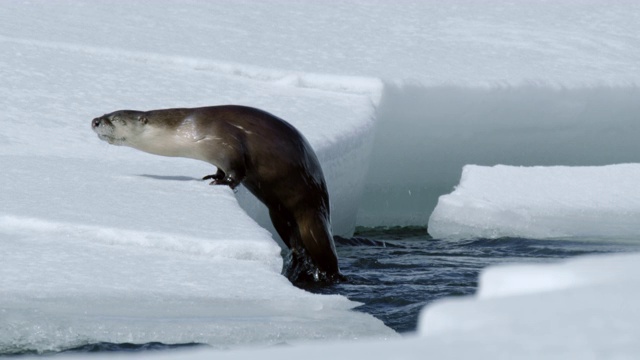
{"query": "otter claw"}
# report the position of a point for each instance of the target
(214, 177)
(222, 181)
(219, 182)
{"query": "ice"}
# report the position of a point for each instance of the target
(92, 255)
(581, 308)
(510, 83)
(339, 125)
(460, 42)
(541, 202)
(104, 243)
(109, 244)
(425, 135)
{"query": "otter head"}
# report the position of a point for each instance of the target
(120, 127)
(160, 132)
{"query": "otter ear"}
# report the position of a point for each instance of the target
(142, 119)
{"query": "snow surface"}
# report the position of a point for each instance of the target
(461, 42)
(498, 82)
(584, 308)
(108, 244)
(541, 202)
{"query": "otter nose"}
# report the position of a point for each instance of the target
(95, 123)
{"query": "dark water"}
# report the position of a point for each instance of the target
(396, 271)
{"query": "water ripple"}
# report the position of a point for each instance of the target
(396, 271)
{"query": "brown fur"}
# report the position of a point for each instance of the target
(272, 160)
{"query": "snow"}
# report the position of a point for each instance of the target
(534, 83)
(582, 308)
(106, 244)
(457, 42)
(109, 244)
(541, 202)
(103, 243)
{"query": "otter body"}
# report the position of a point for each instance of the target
(250, 147)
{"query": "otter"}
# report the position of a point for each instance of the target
(254, 148)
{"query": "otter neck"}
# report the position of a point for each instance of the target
(167, 142)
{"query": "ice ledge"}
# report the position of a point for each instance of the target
(426, 134)
(521, 312)
(334, 83)
(582, 308)
(541, 202)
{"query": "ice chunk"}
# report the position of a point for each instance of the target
(541, 202)
(581, 308)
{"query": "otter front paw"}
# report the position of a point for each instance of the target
(225, 181)
(218, 178)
